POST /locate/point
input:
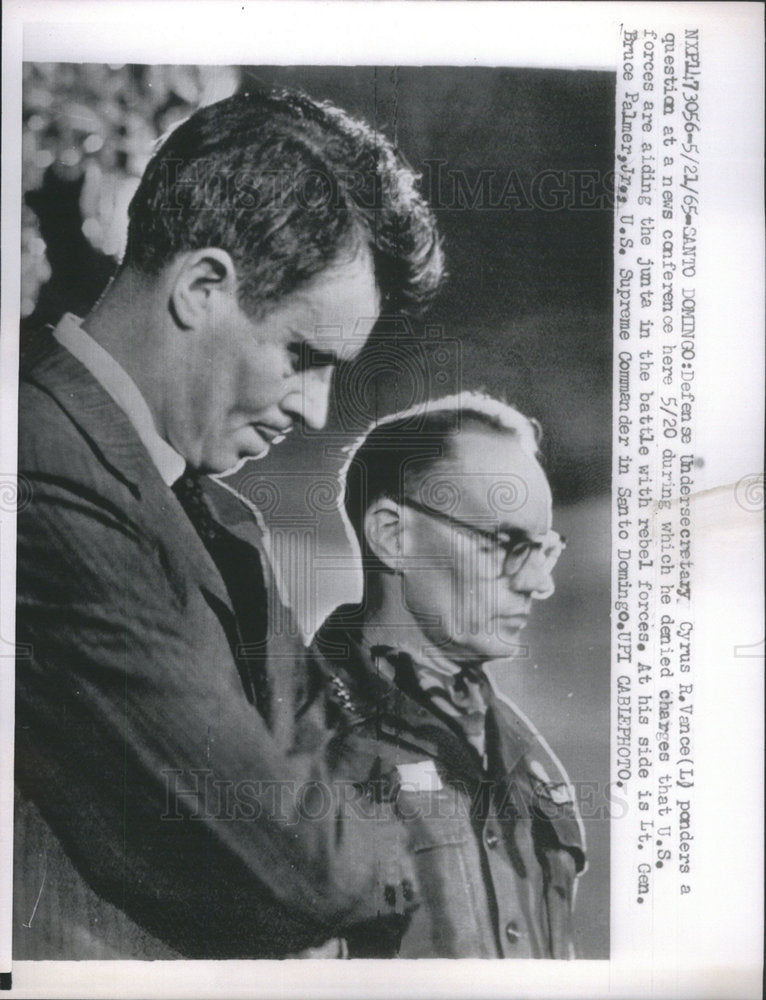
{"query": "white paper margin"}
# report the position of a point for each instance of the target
(721, 935)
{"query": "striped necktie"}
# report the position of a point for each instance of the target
(240, 567)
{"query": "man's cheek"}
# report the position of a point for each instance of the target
(464, 608)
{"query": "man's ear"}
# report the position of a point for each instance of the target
(383, 529)
(199, 274)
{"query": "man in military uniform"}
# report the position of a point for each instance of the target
(452, 512)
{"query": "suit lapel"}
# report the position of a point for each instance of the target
(122, 455)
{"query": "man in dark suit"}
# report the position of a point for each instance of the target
(169, 801)
(452, 512)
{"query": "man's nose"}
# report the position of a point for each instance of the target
(534, 578)
(311, 400)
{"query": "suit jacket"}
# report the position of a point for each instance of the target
(498, 851)
(157, 813)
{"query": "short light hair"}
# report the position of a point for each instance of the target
(395, 453)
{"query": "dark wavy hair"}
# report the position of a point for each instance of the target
(288, 186)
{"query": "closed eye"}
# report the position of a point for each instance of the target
(515, 542)
(304, 357)
(521, 548)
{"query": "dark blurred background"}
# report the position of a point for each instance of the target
(517, 164)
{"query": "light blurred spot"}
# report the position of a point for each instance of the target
(217, 83)
(37, 246)
(70, 157)
(35, 123)
(185, 84)
(39, 97)
(138, 164)
(27, 307)
(93, 143)
(93, 230)
(43, 158)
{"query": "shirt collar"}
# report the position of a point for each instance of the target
(424, 655)
(123, 390)
(461, 695)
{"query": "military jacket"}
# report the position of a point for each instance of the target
(498, 843)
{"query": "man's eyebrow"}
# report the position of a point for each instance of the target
(512, 533)
(313, 357)
(318, 358)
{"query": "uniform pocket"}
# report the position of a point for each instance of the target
(433, 819)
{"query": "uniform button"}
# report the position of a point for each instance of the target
(491, 839)
(512, 931)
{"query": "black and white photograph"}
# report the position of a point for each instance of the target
(442, 236)
(365, 477)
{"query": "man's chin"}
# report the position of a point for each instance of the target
(506, 641)
(226, 464)
(237, 465)
(241, 446)
(229, 470)
(496, 647)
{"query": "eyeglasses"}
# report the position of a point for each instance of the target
(512, 544)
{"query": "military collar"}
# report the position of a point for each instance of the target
(375, 683)
(514, 736)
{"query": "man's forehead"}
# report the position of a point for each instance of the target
(488, 474)
(338, 309)
(474, 453)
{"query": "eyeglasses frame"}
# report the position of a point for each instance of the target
(492, 536)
